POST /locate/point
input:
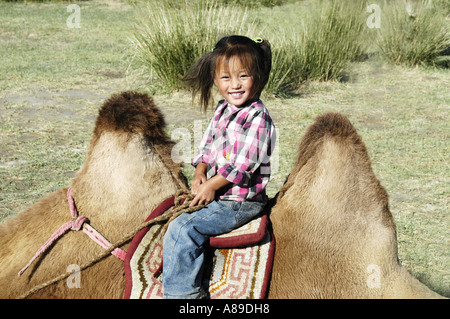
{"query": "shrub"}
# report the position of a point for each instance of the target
(413, 35)
(329, 37)
(169, 40)
(286, 67)
(332, 38)
(244, 3)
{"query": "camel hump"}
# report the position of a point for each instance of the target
(330, 124)
(130, 112)
(335, 124)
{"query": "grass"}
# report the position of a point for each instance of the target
(236, 3)
(169, 39)
(413, 35)
(325, 37)
(53, 80)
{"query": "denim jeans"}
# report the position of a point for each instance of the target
(185, 241)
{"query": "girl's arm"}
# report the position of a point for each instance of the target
(206, 191)
(199, 177)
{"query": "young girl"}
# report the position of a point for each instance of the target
(232, 167)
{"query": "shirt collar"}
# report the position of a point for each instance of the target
(233, 108)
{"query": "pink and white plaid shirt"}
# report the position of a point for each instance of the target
(238, 144)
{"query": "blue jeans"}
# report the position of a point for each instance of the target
(185, 241)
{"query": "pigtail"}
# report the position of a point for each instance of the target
(265, 47)
(263, 63)
(200, 80)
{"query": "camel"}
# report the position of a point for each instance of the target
(127, 173)
(335, 235)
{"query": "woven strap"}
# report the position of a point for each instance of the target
(72, 225)
(91, 232)
(99, 239)
(75, 224)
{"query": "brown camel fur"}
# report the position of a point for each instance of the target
(127, 173)
(336, 237)
(331, 220)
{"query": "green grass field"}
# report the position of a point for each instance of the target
(54, 78)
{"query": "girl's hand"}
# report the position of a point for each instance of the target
(206, 191)
(197, 182)
(199, 178)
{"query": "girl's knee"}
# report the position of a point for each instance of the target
(176, 226)
(182, 230)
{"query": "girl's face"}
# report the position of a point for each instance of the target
(234, 82)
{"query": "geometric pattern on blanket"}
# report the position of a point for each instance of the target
(242, 273)
(238, 265)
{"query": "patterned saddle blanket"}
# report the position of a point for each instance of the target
(238, 267)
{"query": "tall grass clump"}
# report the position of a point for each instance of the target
(285, 76)
(168, 40)
(243, 3)
(332, 37)
(413, 35)
(329, 38)
(255, 3)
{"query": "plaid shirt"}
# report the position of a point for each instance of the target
(238, 144)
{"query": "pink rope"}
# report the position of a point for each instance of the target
(92, 233)
(102, 241)
(73, 210)
(75, 224)
(72, 225)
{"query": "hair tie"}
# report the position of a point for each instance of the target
(258, 40)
